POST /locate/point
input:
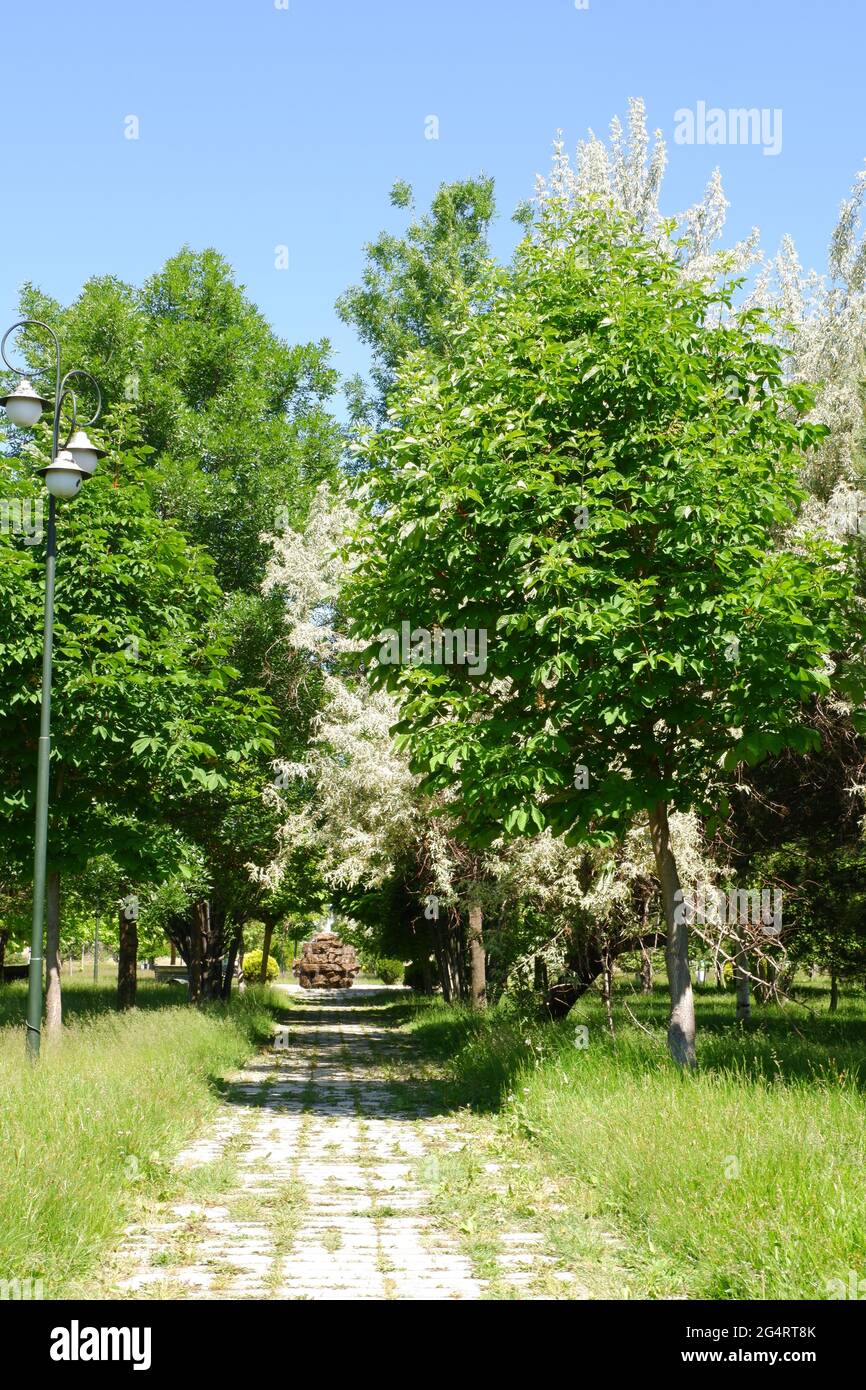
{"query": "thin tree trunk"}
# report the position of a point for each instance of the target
(646, 970)
(541, 979)
(742, 971)
(266, 951)
(173, 954)
(444, 970)
(127, 956)
(4, 937)
(477, 961)
(53, 992)
(230, 964)
(606, 982)
(834, 991)
(681, 1025)
(453, 942)
(196, 952)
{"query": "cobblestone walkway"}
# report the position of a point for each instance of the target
(319, 1199)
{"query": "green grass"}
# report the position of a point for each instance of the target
(744, 1181)
(90, 1130)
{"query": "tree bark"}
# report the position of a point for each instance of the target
(232, 961)
(53, 992)
(213, 973)
(478, 967)
(646, 971)
(541, 980)
(266, 951)
(4, 937)
(681, 1025)
(127, 956)
(742, 971)
(606, 987)
(196, 952)
(834, 991)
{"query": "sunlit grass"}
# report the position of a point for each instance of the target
(93, 1125)
(742, 1181)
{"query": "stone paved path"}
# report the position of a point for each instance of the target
(319, 1198)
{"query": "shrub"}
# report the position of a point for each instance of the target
(253, 967)
(390, 972)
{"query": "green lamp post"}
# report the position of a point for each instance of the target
(63, 476)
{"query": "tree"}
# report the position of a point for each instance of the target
(235, 416)
(405, 296)
(240, 436)
(824, 887)
(592, 475)
(144, 714)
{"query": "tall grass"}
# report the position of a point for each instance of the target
(742, 1181)
(92, 1125)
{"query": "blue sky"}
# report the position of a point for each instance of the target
(263, 126)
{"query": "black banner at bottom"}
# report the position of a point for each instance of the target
(192, 1337)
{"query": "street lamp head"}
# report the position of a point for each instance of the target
(63, 477)
(24, 405)
(84, 452)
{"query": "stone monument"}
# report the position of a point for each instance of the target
(326, 962)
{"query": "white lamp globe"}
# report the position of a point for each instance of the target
(84, 452)
(23, 405)
(63, 477)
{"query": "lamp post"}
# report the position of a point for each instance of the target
(63, 477)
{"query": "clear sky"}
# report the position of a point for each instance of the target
(262, 126)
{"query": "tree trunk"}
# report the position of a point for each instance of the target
(454, 943)
(742, 971)
(541, 980)
(207, 930)
(4, 937)
(476, 959)
(196, 952)
(606, 983)
(173, 954)
(834, 991)
(266, 951)
(127, 956)
(681, 1025)
(444, 968)
(646, 970)
(231, 963)
(53, 994)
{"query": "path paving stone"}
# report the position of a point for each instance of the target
(325, 1203)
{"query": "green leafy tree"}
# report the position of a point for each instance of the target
(239, 434)
(235, 416)
(824, 893)
(409, 282)
(596, 472)
(146, 712)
